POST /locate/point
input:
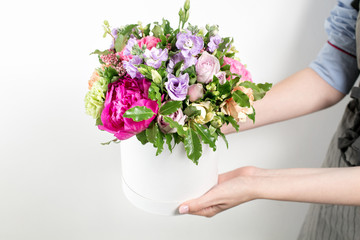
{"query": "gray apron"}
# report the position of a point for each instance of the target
(339, 222)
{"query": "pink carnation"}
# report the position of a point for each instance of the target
(121, 96)
(150, 42)
(238, 68)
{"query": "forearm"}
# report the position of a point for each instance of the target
(300, 94)
(323, 185)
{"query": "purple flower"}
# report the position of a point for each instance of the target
(114, 32)
(131, 69)
(188, 62)
(214, 43)
(128, 48)
(177, 87)
(190, 45)
(155, 56)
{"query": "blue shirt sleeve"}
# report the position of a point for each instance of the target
(336, 63)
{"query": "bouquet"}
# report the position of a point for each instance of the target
(167, 86)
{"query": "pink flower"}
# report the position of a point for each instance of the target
(238, 68)
(177, 116)
(221, 76)
(121, 96)
(206, 67)
(195, 92)
(150, 42)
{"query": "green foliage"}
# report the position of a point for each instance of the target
(232, 121)
(142, 137)
(192, 112)
(218, 131)
(205, 135)
(111, 141)
(259, 90)
(192, 145)
(154, 93)
(139, 113)
(173, 124)
(170, 107)
(241, 98)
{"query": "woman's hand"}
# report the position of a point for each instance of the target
(233, 188)
(316, 185)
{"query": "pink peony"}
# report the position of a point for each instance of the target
(238, 68)
(121, 96)
(150, 42)
(206, 67)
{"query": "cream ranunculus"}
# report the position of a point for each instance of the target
(206, 114)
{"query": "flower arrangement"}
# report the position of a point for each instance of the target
(167, 86)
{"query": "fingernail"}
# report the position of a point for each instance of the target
(184, 209)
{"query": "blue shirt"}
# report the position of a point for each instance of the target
(336, 63)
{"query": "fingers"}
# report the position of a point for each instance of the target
(206, 205)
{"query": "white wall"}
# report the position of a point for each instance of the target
(58, 182)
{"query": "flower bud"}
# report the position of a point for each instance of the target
(195, 92)
(187, 5)
(216, 122)
(155, 76)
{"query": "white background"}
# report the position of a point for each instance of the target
(58, 182)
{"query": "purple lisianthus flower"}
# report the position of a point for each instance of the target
(114, 32)
(155, 57)
(188, 62)
(130, 44)
(214, 43)
(190, 45)
(131, 69)
(177, 87)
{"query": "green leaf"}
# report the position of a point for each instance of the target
(241, 98)
(166, 27)
(120, 43)
(112, 141)
(226, 67)
(252, 116)
(224, 89)
(98, 121)
(154, 93)
(139, 113)
(168, 138)
(173, 124)
(205, 135)
(147, 30)
(142, 137)
(157, 31)
(151, 132)
(159, 141)
(233, 122)
(128, 29)
(192, 146)
(234, 81)
(259, 90)
(191, 111)
(170, 107)
(98, 52)
(218, 131)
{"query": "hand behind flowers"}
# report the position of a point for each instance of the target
(233, 189)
